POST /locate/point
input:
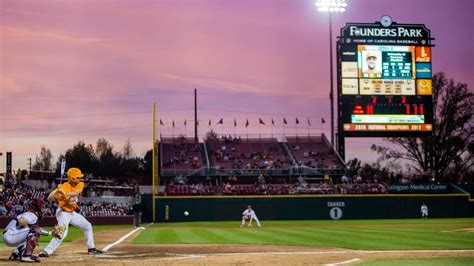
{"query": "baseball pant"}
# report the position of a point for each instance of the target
(74, 218)
(14, 237)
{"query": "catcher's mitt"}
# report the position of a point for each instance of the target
(58, 231)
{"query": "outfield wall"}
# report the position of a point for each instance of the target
(302, 207)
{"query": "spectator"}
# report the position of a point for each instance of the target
(344, 179)
(3, 210)
(137, 210)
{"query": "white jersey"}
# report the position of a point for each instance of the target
(424, 209)
(249, 213)
(29, 217)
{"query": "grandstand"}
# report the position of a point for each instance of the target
(180, 156)
(232, 165)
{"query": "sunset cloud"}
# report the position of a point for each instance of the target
(247, 59)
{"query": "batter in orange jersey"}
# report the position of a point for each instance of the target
(67, 213)
(65, 202)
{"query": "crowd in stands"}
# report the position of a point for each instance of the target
(243, 155)
(356, 185)
(261, 186)
(313, 152)
(181, 153)
(16, 196)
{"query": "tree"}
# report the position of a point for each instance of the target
(353, 167)
(108, 161)
(211, 135)
(81, 156)
(44, 161)
(127, 149)
(103, 149)
(451, 144)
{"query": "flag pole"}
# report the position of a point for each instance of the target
(259, 137)
(272, 127)
(308, 128)
(296, 127)
(154, 163)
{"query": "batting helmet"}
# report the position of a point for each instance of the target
(74, 174)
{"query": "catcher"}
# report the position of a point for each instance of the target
(66, 194)
(250, 215)
(23, 233)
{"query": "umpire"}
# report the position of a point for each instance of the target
(137, 211)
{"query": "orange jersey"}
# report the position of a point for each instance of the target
(66, 203)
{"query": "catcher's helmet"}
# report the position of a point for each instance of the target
(74, 174)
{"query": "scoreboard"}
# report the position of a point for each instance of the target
(384, 83)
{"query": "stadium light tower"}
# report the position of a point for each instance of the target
(331, 6)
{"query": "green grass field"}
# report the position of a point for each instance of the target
(404, 234)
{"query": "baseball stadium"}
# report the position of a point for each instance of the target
(234, 154)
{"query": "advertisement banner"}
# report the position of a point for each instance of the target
(349, 69)
(350, 87)
(388, 127)
(423, 54)
(424, 87)
(423, 71)
(418, 188)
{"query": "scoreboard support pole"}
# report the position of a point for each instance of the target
(341, 145)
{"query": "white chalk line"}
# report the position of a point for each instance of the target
(342, 262)
(325, 252)
(109, 246)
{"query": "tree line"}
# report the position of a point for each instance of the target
(100, 160)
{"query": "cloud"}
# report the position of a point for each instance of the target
(20, 32)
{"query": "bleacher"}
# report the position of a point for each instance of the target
(247, 155)
(250, 166)
(180, 155)
(314, 152)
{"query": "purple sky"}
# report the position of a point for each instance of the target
(82, 70)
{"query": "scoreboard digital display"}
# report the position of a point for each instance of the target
(385, 90)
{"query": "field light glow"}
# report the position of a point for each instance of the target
(331, 5)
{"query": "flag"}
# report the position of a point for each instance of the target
(235, 122)
(221, 121)
(161, 123)
(185, 122)
(297, 121)
(173, 122)
(322, 120)
(247, 123)
(284, 121)
(309, 122)
(273, 122)
(261, 121)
